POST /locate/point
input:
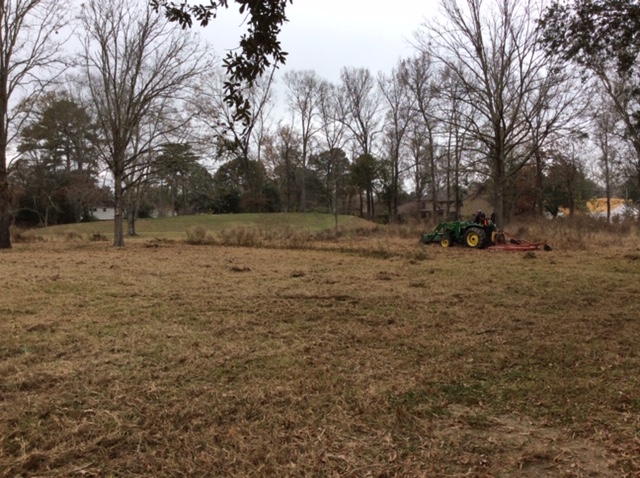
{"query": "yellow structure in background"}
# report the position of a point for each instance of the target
(599, 205)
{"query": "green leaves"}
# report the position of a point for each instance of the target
(592, 32)
(259, 47)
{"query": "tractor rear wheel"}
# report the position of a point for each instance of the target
(475, 237)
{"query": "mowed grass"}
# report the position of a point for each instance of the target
(369, 356)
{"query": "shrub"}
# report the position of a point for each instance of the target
(242, 237)
(420, 255)
(97, 236)
(72, 236)
(198, 235)
(19, 235)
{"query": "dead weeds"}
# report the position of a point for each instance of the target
(166, 361)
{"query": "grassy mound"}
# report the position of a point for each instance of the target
(175, 227)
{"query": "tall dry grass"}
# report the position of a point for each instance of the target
(23, 236)
(198, 235)
(577, 234)
(571, 234)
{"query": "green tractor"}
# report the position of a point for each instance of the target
(472, 234)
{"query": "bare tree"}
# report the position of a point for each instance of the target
(601, 37)
(30, 47)
(237, 138)
(455, 114)
(332, 129)
(399, 115)
(607, 139)
(420, 77)
(624, 98)
(303, 95)
(360, 106)
(284, 155)
(141, 164)
(567, 183)
(136, 66)
(554, 108)
(493, 50)
(416, 141)
(333, 133)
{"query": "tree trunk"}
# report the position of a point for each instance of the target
(499, 177)
(636, 147)
(499, 209)
(638, 172)
(572, 204)
(457, 187)
(499, 200)
(607, 186)
(396, 190)
(118, 229)
(418, 194)
(131, 222)
(303, 189)
(5, 196)
(303, 179)
(133, 204)
(174, 200)
(448, 180)
(335, 204)
(5, 213)
(433, 176)
(539, 203)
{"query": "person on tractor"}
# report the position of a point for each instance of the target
(480, 218)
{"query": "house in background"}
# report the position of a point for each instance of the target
(104, 212)
(423, 208)
(472, 205)
(472, 201)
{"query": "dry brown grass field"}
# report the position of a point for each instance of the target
(365, 356)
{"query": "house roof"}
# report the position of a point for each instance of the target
(441, 197)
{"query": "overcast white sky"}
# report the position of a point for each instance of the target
(326, 35)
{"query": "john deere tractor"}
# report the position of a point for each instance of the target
(472, 234)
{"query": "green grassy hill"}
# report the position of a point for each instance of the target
(175, 227)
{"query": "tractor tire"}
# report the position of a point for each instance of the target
(475, 237)
(446, 241)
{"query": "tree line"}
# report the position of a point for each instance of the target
(529, 104)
